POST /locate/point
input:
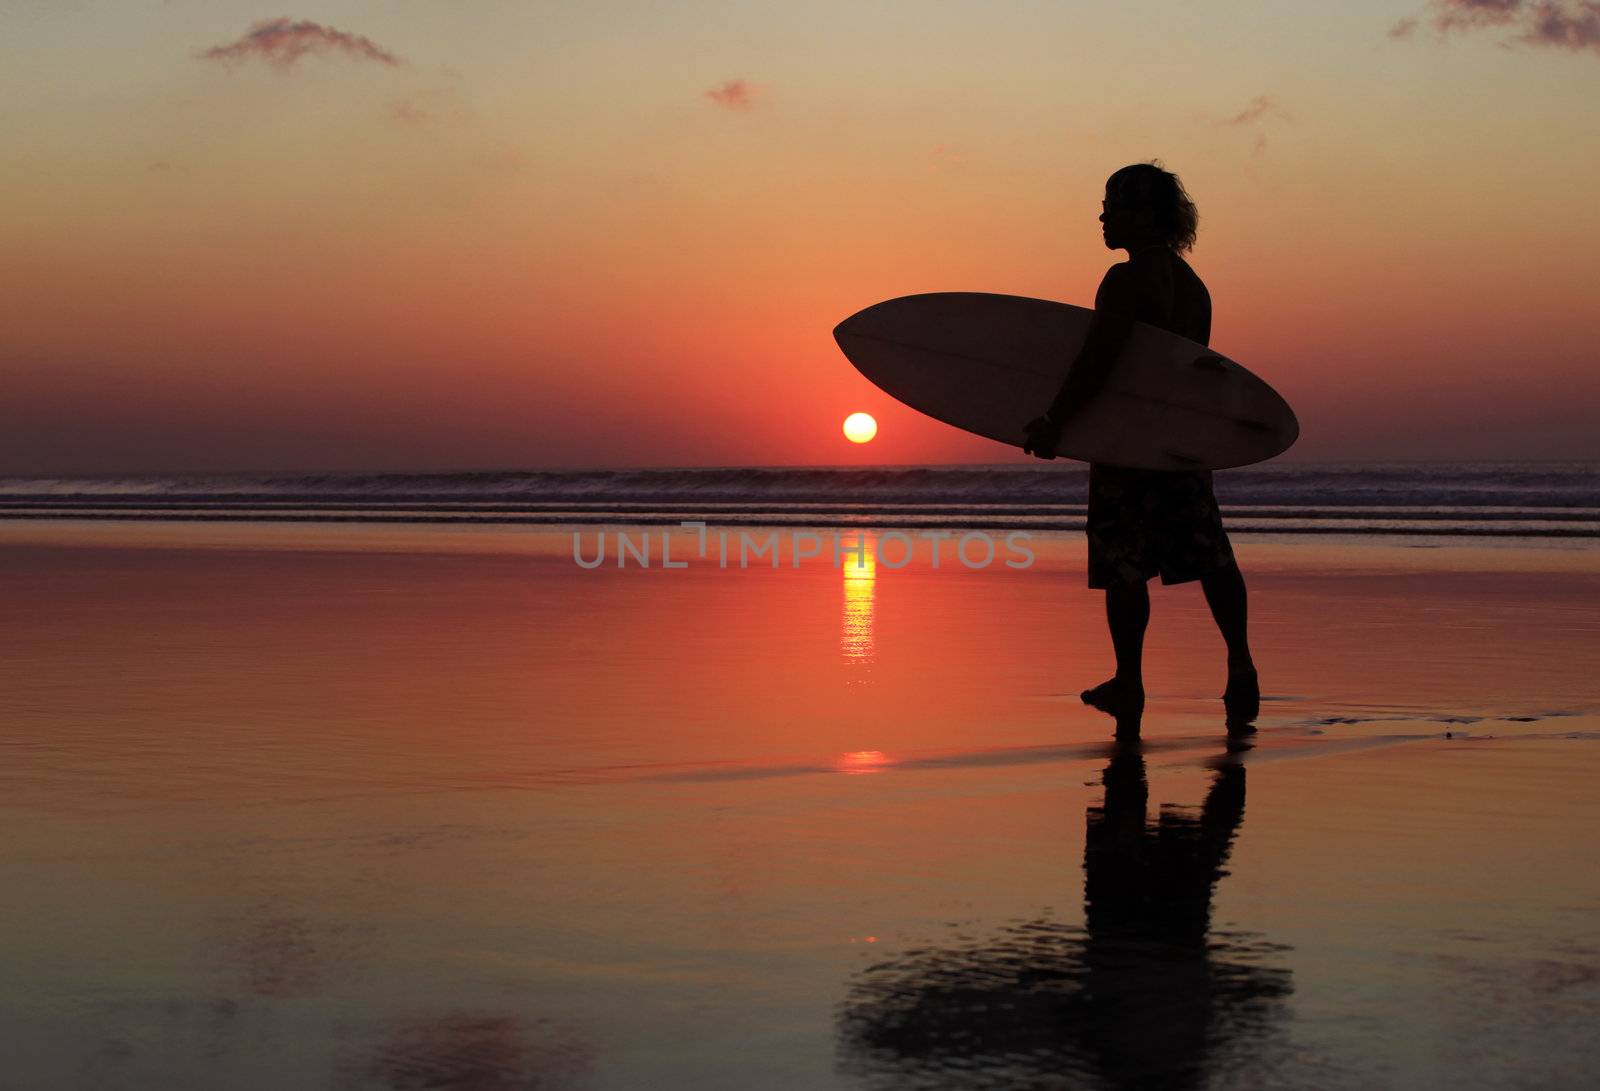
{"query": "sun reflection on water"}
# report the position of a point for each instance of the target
(862, 761)
(855, 629)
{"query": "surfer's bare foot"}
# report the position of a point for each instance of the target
(1242, 698)
(1117, 696)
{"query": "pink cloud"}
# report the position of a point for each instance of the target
(1565, 24)
(282, 42)
(1465, 14)
(1572, 26)
(734, 94)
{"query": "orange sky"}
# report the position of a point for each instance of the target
(620, 234)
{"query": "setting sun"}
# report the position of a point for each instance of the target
(860, 427)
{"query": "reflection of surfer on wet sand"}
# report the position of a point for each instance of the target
(1145, 995)
(1147, 890)
(1144, 523)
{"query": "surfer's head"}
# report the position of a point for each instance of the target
(1145, 206)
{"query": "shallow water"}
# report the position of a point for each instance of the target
(413, 808)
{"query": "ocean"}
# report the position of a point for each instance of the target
(1480, 499)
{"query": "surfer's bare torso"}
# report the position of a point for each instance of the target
(1156, 286)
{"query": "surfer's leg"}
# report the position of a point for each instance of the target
(1119, 564)
(1127, 615)
(1229, 602)
(1192, 544)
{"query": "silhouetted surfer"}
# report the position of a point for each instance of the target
(1144, 523)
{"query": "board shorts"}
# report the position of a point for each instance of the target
(1145, 523)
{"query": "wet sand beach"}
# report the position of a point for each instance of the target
(368, 807)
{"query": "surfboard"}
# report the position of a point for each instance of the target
(990, 364)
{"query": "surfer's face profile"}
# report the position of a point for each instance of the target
(1116, 218)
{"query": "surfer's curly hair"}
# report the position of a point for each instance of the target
(1155, 190)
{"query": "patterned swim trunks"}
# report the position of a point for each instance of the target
(1144, 523)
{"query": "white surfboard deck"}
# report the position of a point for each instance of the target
(989, 364)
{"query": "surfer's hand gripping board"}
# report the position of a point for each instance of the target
(1043, 436)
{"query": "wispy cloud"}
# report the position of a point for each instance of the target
(282, 42)
(734, 94)
(1261, 109)
(429, 106)
(1564, 24)
(1258, 108)
(946, 157)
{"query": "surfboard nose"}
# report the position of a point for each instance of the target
(855, 326)
(867, 320)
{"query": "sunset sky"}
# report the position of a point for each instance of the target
(428, 235)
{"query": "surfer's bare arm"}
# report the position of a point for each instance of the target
(1115, 304)
(1114, 308)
